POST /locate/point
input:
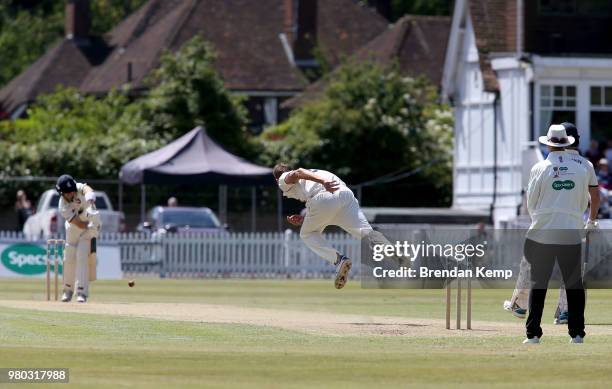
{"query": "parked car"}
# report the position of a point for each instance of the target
(162, 220)
(48, 221)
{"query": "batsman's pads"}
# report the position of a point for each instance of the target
(92, 260)
(69, 270)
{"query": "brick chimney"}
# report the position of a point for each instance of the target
(301, 27)
(77, 19)
(290, 25)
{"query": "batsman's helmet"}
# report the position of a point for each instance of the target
(65, 184)
(571, 130)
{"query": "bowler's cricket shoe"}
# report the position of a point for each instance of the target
(343, 266)
(562, 319)
(577, 339)
(81, 298)
(517, 311)
(67, 296)
(534, 340)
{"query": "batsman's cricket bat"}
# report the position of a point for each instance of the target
(92, 261)
(587, 244)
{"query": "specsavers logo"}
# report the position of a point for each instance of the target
(26, 259)
(567, 184)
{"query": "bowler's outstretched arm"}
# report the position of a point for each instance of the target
(304, 174)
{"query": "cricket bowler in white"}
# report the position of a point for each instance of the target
(329, 202)
(77, 205)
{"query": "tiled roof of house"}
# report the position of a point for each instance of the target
(244, 33)
(66, 63)
(418, 43)
(139, 45)
(344, 26)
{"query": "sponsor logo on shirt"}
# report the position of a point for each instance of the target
(564, 171)
(560, 185)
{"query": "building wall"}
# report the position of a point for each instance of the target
(533, 93)
(473, 130)
(585, 75)
(475, 134)
(514, 132)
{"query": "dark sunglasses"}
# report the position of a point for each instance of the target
(554, 139)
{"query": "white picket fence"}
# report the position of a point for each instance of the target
(263, 255)
(233, 254)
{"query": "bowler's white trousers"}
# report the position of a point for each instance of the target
(339, 209)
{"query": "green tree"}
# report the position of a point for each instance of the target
(89, 136)
(68, 132)
(187, 92)
(66, 114)
(29, 28)
(371, 121)
(24, 37)
(93, 137)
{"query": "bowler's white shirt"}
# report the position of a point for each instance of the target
(304, 190)
(558, 195)
(70, 209)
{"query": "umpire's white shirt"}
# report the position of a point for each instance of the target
(593, 183)
(557, 197)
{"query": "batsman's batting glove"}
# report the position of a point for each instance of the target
(591, 225)
(91, 197)
(93, 216)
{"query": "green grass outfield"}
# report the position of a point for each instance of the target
(119, 351)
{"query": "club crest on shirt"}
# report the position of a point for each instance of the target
(564, 171)
(556, 172)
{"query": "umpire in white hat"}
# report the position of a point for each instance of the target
(557, 196)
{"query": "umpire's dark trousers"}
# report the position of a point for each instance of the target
(542, 258)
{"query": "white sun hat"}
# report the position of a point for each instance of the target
(556, 137)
